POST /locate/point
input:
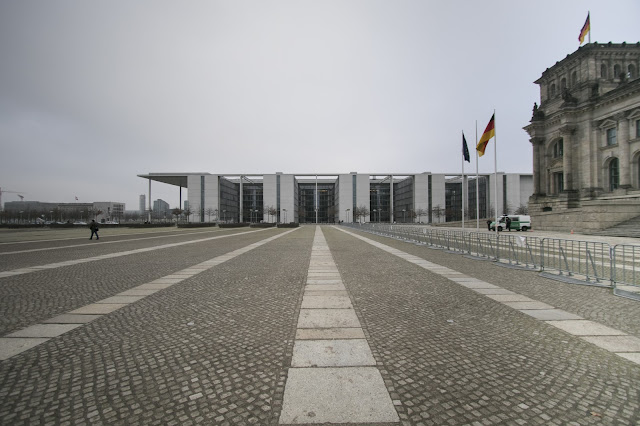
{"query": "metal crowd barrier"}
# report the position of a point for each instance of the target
(585, 262)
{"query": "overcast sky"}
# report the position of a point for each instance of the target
(94, 93)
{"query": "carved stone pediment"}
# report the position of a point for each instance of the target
(607, 123)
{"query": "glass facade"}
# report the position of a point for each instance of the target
(252, 200)
(380, 201)
(403, 200)
(453, 198)
(229, 200)
(327, 211)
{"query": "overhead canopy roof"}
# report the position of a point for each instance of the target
(176, 179)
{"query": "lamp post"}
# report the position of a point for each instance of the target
(285, 215)
(51, 215)
(21, 216)
(374, 214)
(404, 215)
(224, 215)
(347, 214)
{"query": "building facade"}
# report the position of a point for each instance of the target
(586, 140)
(352, 197)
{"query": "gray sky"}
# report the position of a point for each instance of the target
(94, 93)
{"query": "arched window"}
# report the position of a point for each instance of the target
(603, 71)
(574, 79)
(563, 84)
(631, 70)
(616, 71)
(614, 174)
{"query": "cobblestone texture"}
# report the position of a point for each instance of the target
(451, 356)
(30, 298)
(213, 349)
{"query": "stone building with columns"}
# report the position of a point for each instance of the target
(586, 140)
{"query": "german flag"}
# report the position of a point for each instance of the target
(585, 29)
(489, 132)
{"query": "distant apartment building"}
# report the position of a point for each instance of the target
(143, 205)
(67, 212)
(160, 207)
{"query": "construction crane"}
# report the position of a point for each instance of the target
(4, 191)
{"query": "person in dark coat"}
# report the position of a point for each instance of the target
(94, 230)
(508, 220)
(489, 224)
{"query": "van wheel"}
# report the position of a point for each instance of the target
(524, 228)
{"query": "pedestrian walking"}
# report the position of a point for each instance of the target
(94, 230)
(489, 224)
(508, 223)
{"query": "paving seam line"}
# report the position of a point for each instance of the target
(333, 376)
(610, 339)
(27, 338)
(55, 265)
(102, 243)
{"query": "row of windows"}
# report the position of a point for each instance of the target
(604, 73)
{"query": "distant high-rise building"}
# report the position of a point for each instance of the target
(143, 207)
(160, 207)
(186, 205)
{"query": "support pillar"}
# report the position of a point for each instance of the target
(624, 158)
(149, 200)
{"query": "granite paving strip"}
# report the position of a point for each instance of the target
(41, 332)
(112, 255)
(93, 244)
(616, 341)
(333, 376)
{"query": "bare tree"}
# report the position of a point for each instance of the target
(420, 213)
(177, 213)
(210, 212)
(361, 212)
(438, 212)
(187, 212)
(272, 212)
(522, 209)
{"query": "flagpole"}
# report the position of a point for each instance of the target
(462, 186)
(495, 167)
(477, 186)
(589, 16)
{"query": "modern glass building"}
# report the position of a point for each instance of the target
(352, 197)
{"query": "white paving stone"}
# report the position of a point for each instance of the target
(98, 309)
(13, 346)
(325, 287)
(528, 305)
(615, 343)
(631, 356)
(332, 353)
(550, 314)
(44, 330)
(585, 328)
(327, 318)
(509, 298)
(329, 333)
(326, 302)
(336, 395)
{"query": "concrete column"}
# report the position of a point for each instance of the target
(624, 159)
(240, 217)
(391, 198)
(567, 164)
(538, 147)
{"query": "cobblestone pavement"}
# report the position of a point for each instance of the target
(215, 348)
(453, 356)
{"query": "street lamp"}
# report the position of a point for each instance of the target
(347, 214)
(374, 214)
(21, 216)
(224, 215)
(51, 213)
(404, 215)
(285, 215)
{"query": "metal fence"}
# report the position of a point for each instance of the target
(584, 262)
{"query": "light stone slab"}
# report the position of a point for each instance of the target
(329, 333)
(509, 298)
(324, 282)
(477, 284)
(98, 309)
(585, 328)
(137, 292)
(13, 346)
(528, 305)
(615, 343)
(631, 356)
(325, 287)
(332, 353)
(326, 302)
(336, 395)
(121, 299)
(71, 319)
(327, 318)
(492, 291)
(150, 286)
(326, 293)
(44, 330)
(464, 279)
(550, 314)
(166, 281)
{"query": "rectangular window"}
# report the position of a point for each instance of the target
(612, 137)
(559, 181)
(637, 128)
(201, 199)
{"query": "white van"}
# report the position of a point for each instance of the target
(519, 222)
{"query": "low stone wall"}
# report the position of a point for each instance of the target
(592, 215)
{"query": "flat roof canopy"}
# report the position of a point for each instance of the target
(176, 179)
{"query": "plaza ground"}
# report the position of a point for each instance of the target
(300, 326)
